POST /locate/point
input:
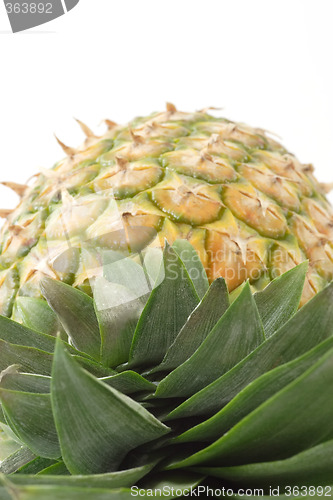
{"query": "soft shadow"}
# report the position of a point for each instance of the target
(28, 32)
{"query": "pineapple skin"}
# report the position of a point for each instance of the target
(248, 206)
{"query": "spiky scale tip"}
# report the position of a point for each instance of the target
(19, 189)
(67, 149)
(137, 139)
(110, 124)
(85, 129)
(171, 108)
(327, 187)
(209, 108)
(5, 212)
(121, 161)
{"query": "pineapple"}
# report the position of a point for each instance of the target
(251, 210)
(163, 380)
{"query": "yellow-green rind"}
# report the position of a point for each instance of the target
(249, 207)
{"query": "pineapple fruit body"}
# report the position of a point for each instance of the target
(250, 209)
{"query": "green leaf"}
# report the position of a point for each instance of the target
(193, 264)
(118, 310)
(4, 494)
(2, 417)
(30, 417)
(83, 409)
(17, 492)
(296, 418)
(310, 468)
(152, 262)
(36, 465)
(9, 432)
(312, 324)
(16, 460)
(197, 327)
(37, 315)
(253, 395)
(129, 382)
(14, 333)
(124, 271)
(76, 312)
(119, 479)
(8, 445)
(28, 359)
(93, 367)
(237, 333)
(280, 299)
(31, 350)
(25, 382)
(166, 311)
(173, 483)
(55, 469)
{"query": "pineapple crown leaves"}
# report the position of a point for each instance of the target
(159, 380)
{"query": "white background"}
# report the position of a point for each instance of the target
(266, 62)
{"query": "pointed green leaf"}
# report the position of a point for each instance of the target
(312, 467)
(166, 311)
(12, 380)
(193, 264)
(76, 312)
(16, 492)
(119, 479)
(36, 465)
(30, 417)
(16, 460)
(8, 446)
(297, 418)
(253, 395)
(174, 483)
(129, 382)
(31, 350)
(37, 315)
(55, 469)
(152, 262)
(236, 334)
(126, 272)
(9, 432)
(118, 310)
(4, 494)
(28, 359)
(89, 444)
(197, 327)
(2, 417)
(280, 299)
(92, 367)
(13, 332)
(312, 324)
